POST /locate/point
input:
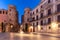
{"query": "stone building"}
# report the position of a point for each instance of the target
(3, 19)
(46, 16)
(9, 19)
(26, 22)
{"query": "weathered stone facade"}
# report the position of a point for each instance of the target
(26, 22)
(45, 16)
(9, 19)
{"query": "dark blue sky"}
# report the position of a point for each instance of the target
(20, 5)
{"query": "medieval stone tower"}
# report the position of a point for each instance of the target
(13, 17)
(27, 16)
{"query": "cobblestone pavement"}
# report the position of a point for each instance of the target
(18, 36)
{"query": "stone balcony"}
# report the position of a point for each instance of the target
(46, 5)
(57, 0)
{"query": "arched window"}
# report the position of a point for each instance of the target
(41, 15)
(49, 12)
(58, 8)
(58, 18)
(0, 12)
(48, 1)
(49, 20)
(37, 18)
(36, 10)
(41, 22)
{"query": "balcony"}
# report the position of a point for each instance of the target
(32, 20)
(46, 16)
(47, 5)
(52, 14)
(57, 0)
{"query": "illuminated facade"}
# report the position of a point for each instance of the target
(8, 19)
(26, 22)
(46, 17)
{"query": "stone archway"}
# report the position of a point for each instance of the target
(26, 27)
(3, 28)
(8, 28)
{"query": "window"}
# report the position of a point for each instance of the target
(6, 13)
(0, 12)
(33, 12)
(49, 20)
(37, 11)
(49, 12)
(58, 8)
(41, 15)
(49, 27)
(41, 6)
(33, 18)
(58, 18)
(41, 22)
(2, 24)
(3, 12)
(36, 23)
(48, 1)
(36, 17)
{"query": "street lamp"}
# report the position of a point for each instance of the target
(54, 26)
(39, 27)
(11, 26)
